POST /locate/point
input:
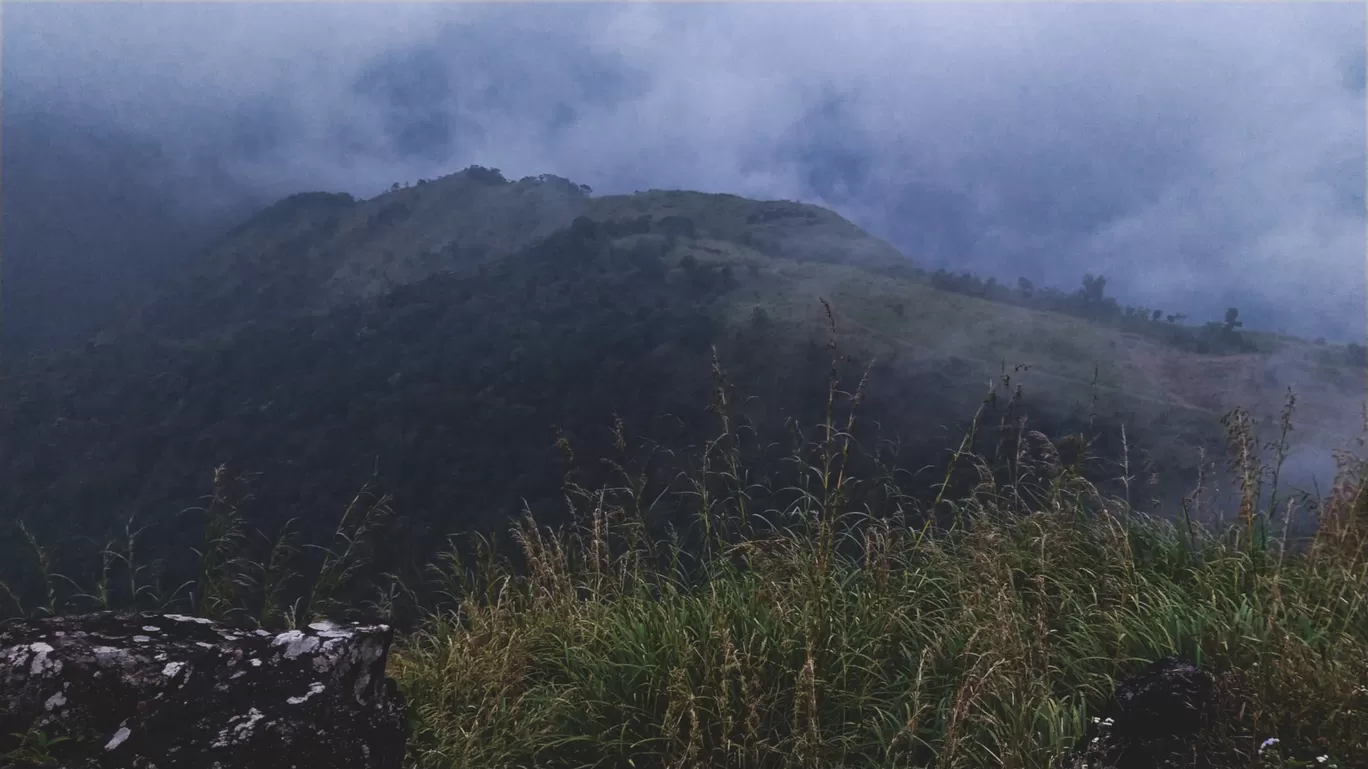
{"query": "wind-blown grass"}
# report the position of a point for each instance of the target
(989, 645)
(820, 632)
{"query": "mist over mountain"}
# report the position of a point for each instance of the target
(688, 384)
(459, 341)
(425, 246)
(1201, 157)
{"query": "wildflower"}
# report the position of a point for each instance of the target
(1322, 759)
(1268, 743)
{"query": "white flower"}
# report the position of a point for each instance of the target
(1322, 759)
(1108, 722)
(1271, 741)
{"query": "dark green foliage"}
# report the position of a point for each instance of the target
(485, 175)
(1232, 320)
(612, 642)
(450, 392)
(704, 280)
(1094, 288)
(1092, 303)
(392, 214)
(677, 226)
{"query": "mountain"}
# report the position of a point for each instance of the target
(441, 340)
(315, 252)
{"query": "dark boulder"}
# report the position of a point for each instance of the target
(1171, 714)
(160, 691)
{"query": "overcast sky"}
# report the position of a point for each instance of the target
(1199, 156)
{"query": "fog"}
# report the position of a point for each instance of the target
(1200, 156)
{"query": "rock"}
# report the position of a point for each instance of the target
(160, 691)
(1171, 714)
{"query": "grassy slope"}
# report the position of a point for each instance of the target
(313, 252)
(1175, 398)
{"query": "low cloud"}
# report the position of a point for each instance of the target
(1201, 156)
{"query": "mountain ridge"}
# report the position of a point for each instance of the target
(440, 339)
(382, 250)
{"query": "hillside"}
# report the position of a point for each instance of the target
(439, 339)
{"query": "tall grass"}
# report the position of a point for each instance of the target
(836, 626)
(239, 575)
(825, 613)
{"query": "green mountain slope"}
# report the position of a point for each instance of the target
(441, 338)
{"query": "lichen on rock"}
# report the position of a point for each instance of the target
(166, 690)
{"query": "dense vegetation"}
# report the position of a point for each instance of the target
(833, 630)
(563, 336)
(624, 377)
(818, 615)
(1091, 302)
(449, 391)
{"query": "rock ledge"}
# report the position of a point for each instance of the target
(160, 691)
